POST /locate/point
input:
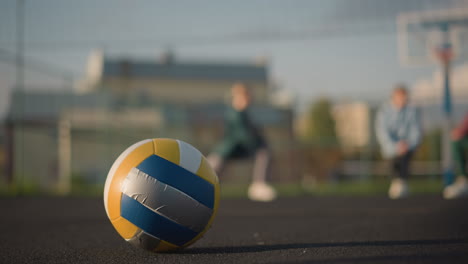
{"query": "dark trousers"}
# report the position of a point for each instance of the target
(401, 165)
(460, 148)
(261, 168)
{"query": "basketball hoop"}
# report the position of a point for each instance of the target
(436, 36)
(444, 54)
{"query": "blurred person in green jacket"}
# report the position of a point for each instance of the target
(460, 148)
(243, 139)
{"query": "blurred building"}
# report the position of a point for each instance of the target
(353, 124)
(167, 79)
(55, 135)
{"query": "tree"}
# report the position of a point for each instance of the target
(319, 123)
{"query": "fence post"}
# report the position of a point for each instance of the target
(64, 156)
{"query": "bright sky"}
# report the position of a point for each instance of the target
(338, 48)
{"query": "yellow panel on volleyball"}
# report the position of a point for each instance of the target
(126, 229)
(167, 149)
(130, 161)
(206, 172)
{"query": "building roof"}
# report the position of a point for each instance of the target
(183, 70)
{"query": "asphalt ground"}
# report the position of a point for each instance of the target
(420, 229)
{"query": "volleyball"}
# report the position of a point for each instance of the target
(161, 194)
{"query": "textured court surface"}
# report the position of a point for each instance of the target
(422, 229)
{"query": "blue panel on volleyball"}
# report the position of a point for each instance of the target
(153, 223)
(179, 178)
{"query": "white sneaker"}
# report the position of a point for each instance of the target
(398, 189)
(457, 189)
(262, 192)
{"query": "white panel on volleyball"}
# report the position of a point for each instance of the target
(190, 157)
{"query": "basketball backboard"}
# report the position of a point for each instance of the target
(421, 34)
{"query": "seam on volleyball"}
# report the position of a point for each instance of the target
(113, 169)
(139, 231)
(154, 146)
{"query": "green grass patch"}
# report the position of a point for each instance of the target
(87, 190)
(24, 189)
(228, 190)
(356, 188)
(373, 187)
